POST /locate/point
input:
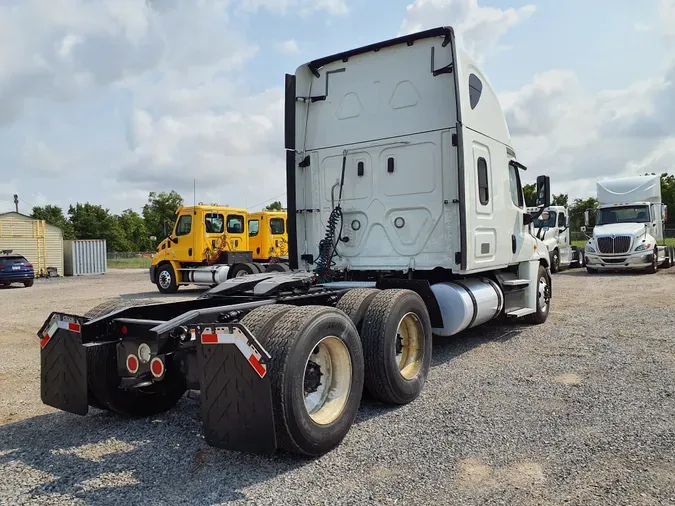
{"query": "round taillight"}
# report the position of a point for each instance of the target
(132, 364)
(144, 353)
(157, 367)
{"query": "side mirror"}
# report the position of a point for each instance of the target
(527, 219)
(543, 191)
(587, 217)
(664, 213)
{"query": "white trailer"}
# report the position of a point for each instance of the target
(406, 218)
(553, 228)
(629, 225)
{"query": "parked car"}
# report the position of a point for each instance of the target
(15, 269)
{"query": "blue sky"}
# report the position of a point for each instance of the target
(105, 101)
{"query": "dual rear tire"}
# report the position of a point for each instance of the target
(320, 365)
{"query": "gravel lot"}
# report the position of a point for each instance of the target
(580, 410)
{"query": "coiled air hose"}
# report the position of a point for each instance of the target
(328, 245)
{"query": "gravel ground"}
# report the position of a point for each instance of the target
(580, 410)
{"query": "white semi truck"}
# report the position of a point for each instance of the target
(553, 228)
(629, 226)
(406, 218)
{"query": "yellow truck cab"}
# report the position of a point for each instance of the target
(267, 235)
(211, 243)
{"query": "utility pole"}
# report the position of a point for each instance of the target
(16, 203)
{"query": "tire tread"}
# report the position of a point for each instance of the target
(279, 342)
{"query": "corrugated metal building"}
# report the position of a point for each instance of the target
(39, 242)
(85, 257)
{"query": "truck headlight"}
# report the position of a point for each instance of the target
(642, 247)
(590, 248)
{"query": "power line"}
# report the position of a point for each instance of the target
(268, 200)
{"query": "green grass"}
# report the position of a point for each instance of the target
(670, 241)
(129, 263)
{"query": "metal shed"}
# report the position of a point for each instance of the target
(39, 242)
(85, 257)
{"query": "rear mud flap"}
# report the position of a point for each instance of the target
(63, 364)
(236, 396)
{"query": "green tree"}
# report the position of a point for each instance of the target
(94, 222)
(54, 216)
(576, 212)
(530, 193)
(275, 206)
(668, 195)
(135, 231)
(560, 200)
(161, 207)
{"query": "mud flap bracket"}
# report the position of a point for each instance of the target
(63, 364)
(236, 395)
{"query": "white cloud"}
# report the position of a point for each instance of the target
(301, 7)
(174, 72)
(288, 47)
(478, 29)
(575, 136)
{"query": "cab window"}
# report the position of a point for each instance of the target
(561, 220)
(277, 226)
(184, 225)
(514, 187)
(214, 223)
(235, 224)
(253, 227)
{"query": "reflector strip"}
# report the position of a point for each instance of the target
(249, 353)
(58, 324)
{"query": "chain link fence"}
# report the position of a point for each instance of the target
(130, 260)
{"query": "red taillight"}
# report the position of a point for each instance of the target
(157, 367)
(132, 364)
(29, 266)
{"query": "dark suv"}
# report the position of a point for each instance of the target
(16, 269)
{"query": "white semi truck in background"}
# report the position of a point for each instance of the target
(629, 226)
(553, 228)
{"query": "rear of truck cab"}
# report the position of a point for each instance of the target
(410, 139)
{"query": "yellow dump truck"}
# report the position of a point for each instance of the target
(210, 244)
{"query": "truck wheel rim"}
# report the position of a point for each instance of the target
(165, 279)
(409, 346)
(241, 274)
(327, 380)
(544, 294)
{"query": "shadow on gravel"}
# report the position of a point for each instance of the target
(604, 274)
(105, 459)
(445, 349)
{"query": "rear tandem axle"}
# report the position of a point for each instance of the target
(251, 347)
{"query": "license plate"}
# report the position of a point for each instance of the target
(16, 267)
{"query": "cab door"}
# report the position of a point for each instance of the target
(182, 243)
(278, 237)
(255, 237)
(564, 245)
(236, 229)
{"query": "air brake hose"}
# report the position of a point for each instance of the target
(327, 246)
